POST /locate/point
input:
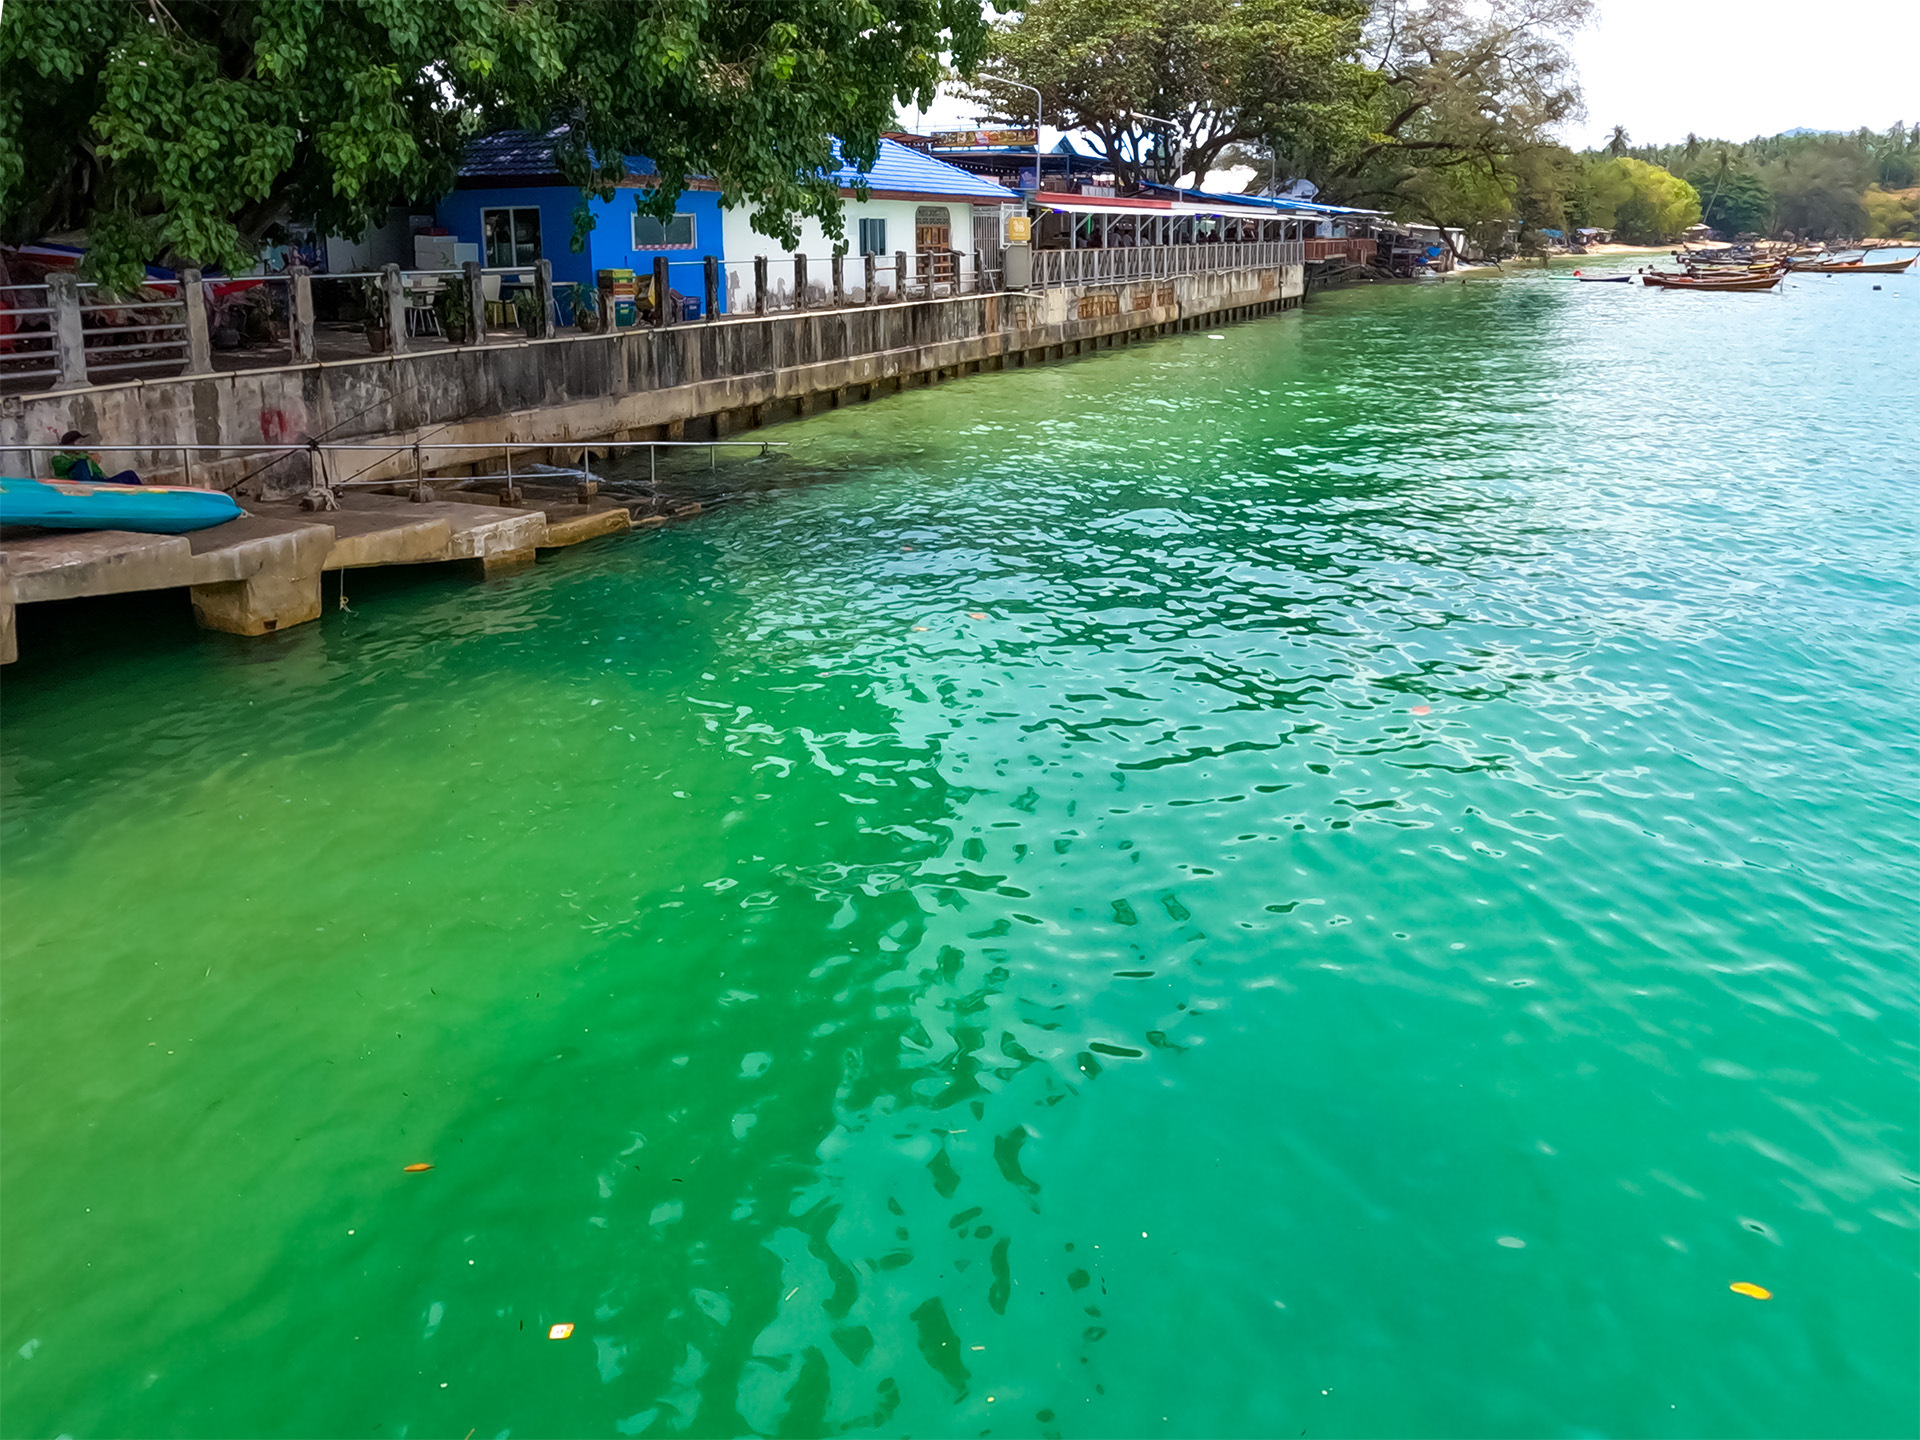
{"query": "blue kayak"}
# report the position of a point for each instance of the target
(148, 509)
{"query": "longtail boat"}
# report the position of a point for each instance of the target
(1858, 267)
(1661, 280)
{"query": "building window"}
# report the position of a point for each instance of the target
(873, 237)
(512, 237)
(652, 234)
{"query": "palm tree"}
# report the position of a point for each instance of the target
(1617, 144)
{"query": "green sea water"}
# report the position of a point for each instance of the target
(1346, 876)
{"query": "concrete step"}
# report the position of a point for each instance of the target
(375, 537)
(491, 535)
(571, 524)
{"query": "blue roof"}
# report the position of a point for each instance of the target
(517, 154)
(897, 167)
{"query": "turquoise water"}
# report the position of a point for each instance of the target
(1343, 878)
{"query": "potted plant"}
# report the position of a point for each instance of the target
(526, 309)
(373, 300)
(586, 309)
(453, 308)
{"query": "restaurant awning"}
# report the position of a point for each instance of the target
(1102, 204)
(1127, 205)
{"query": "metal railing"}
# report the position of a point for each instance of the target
(27, 350)
(1154, 262)
(323, 484)
(140, 331)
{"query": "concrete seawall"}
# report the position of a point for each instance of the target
(263, 572)
(689, 380)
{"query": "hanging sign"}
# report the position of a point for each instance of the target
(1019, 230)
(984, 139)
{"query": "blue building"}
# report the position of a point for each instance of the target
(511, 201)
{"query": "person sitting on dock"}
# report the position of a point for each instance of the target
(83, 468)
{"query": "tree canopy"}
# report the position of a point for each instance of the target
(1436, 110)
(1224, 71)
(1472, 93)
(1640, 203)
(186, 131)
(1733, 202)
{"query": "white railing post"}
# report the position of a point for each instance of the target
(69, 337)
(394, 293)
(476, 301)
(193, 314)
(543, 299)
(299, 312)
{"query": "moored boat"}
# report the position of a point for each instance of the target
(145, 509)
(1662, 280)
(1858, 267)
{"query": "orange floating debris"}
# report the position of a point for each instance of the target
(1758, 1292)
(976, 614)
(416, 1169)
(560, 1331)
(1423, 709)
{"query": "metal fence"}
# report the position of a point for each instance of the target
(324, 484)
(112, 334)
(67, 333)
(1153, 262)
(769, 284)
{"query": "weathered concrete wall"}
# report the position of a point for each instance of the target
(721, 375)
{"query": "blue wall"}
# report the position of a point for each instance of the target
(460, 213)
(609, 243)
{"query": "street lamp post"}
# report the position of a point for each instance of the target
(1171, 125)
(1039, 114)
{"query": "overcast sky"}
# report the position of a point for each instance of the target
(1662, 69)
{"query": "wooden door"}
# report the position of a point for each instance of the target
(933, 243)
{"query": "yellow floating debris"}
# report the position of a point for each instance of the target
(1758, 1292)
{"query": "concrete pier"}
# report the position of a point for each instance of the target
(261, 573)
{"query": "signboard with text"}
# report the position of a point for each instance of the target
(984, 139)
(1019, 230)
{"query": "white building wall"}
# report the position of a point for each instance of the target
(743, 243)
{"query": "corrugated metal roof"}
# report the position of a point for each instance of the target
(518, 154)
(899, 168)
